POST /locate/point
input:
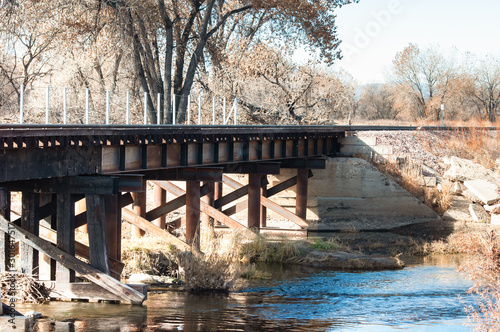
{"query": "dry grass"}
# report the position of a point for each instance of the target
(473, 143)
(408, 176)
(484, 270)
(148, 255)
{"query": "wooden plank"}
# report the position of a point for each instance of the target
(86, 291)
(97, 232)
(86, 271)
(271, 205)
(65, 234)
(29, 221)
(214, 213)
(115, 266)
(113, 228)
(147, 226)
(238, 193)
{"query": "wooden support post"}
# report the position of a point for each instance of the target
(301, 193)
(96, 221)
(193, 213)
(4, 237)
(30, 222)
(160, 197)
(254, 201)
(263, 208)
(113, 228)
(139, 208)
(208, 199)
(268, 203)
(218, 193)
(65, 234)
(47, 266)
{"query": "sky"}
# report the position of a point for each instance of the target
(373, 31)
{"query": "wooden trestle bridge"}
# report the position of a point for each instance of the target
(105, 169)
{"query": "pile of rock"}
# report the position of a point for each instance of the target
(477, 184)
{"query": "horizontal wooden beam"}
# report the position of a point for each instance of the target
(94, 185)
(154, 230)
(107, 282)
(203, 174)
(130, 182)
(311, 163)
(253, 168)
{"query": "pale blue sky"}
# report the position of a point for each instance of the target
(373, 31)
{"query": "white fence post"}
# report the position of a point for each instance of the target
(189, 110)
(158, 111)
(173, 111)
(213, 110)
(199, 109)
(145, 108)
(21, 105)
(65, 107)
(224, 112)
(47, 105)
(235, 111)
(87, 105)
(107, 107)
(128, 108)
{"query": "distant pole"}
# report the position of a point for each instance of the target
(128, 108)
(145, 108)
(173, 111)
(65, 107)
(158, 113)
(189, 110)
(199, 109)
(442, 115)
(107, 107)
(47, 105)
(87, 105)
(21, 105)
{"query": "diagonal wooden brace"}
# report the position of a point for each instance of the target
(211, 211)
(148, 227)
(271, 205)
(107, 282)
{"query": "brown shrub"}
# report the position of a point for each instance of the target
(484, 270)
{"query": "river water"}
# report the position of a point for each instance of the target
(424, 296)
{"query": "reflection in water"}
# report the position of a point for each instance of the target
(422, 297)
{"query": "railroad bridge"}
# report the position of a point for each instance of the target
(103, 171)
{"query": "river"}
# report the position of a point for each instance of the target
(424, 296)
